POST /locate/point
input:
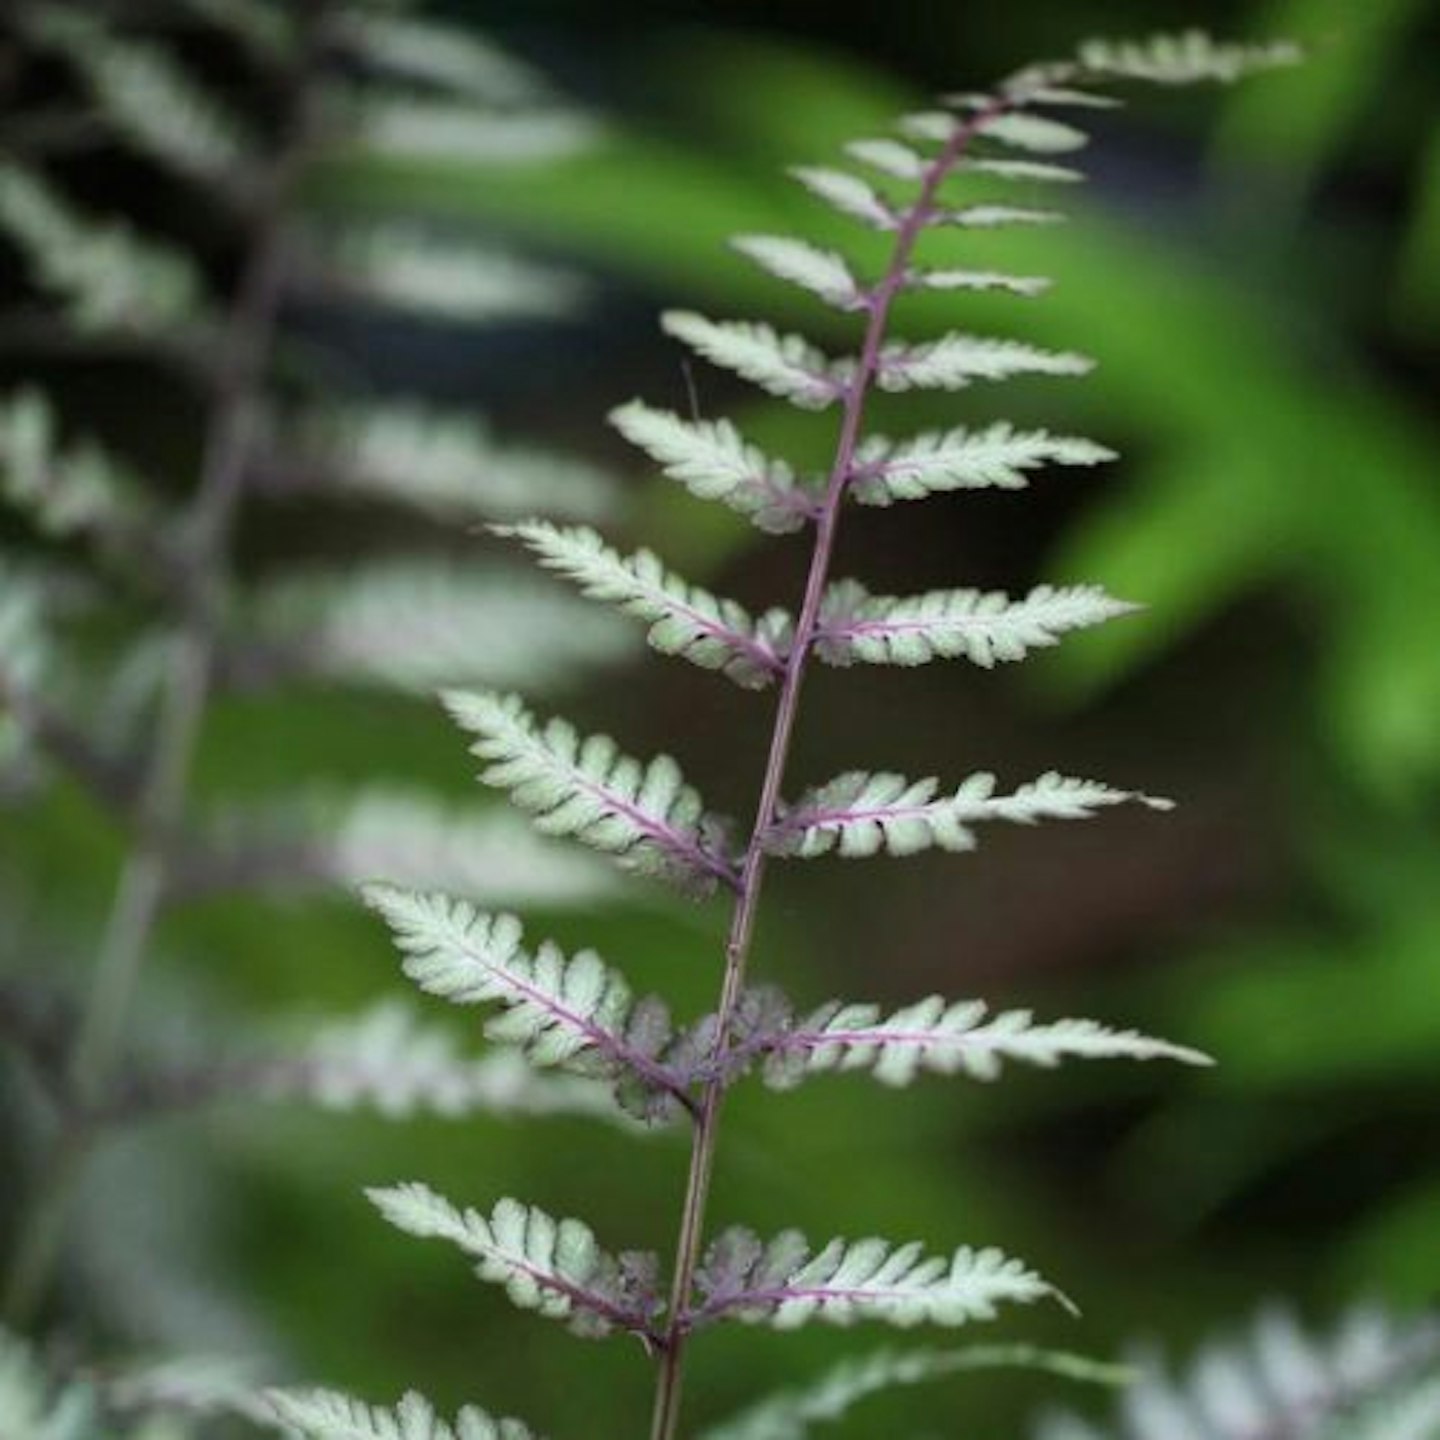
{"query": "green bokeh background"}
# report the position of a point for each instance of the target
(1258, 273)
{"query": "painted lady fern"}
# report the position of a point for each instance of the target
(578, 1012)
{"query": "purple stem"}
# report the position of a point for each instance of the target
(752, 873)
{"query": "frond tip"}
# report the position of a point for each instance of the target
(684, 620)
(646, 816)
(783, 1285)
(860, 813)
(947, 1039)
(555, 1267)
(329, 1415)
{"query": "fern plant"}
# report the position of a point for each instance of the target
(101, 546)
(579, 1013)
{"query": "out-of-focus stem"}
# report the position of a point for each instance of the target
(206, 535)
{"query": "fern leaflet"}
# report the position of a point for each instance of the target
(103, 273)
(948, 1039)
(790, 1414)
(822, 272)
(574, 1012)
(955, 361)
(860, 813)
(783, 1285)
(329, 1415)
(994, 217)
(69, 491)
(982, 627)
(396, 265)
(1373, 1378)
(684, 619)
(1184, 59)
(386, 1060)
(148, 98)
(847, 194)
(1026, 286)
(962, 459)
(644, 815)
(712, 460)
(411, 624)
(446, 463)
(554, 1267)
(783, 365)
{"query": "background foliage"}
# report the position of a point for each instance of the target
(1257, 276)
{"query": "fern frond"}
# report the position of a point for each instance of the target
(644, 815)
(962, 459)
(1184, 59)
(74, 491)
(573, 1012)
(822, 272)
(791, 1414)
(955, 360)
(329, 1415)
(555, 1267)
(1373, 1378)
(947, 1038)
(684, 620)
(847, 194)
(387, 1060)
(415, 625)
(446, 463)
(861, 814)
(448, 59)
(781, 1284)
(103, 273)
(146, 95)
(983, 627)
(782, 365)
(398, 265)
(712, 460)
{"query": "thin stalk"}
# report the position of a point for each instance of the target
(144, 879)
(752, 874)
